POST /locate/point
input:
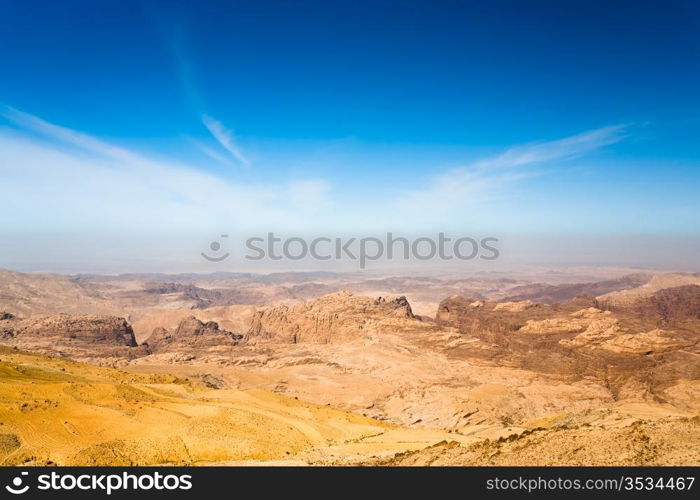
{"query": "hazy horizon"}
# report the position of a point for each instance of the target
(179, 124)
(85, 254)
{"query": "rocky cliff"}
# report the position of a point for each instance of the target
(337, 317)
(80, 336)
(640, 350)
(191, 333)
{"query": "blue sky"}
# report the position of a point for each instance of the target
(202, 117)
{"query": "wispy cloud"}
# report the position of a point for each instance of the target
(561, 149)
(209, 151)
(485, 179)
(226, 138)
(64, 135)
(64, 178)
(68, 179)
(173, 31)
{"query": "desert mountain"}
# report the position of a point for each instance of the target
(493, 365)
(332, 318)
(85, 337)
(546, 293)
(136, 296)
(191, 334)
(24, 294)
(655, 284)
(629, 355)
(668, 305)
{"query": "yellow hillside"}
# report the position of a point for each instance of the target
(58, 411)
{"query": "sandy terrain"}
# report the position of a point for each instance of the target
(67, 413)
(187, 375)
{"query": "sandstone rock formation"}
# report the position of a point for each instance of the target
(656, 284)
(333, 318)
(481, 316)
(550, 294)
(519, 306)
(668, 305)
(106, 330)
(621, 348)
(193, 334)
(590, 319)
(203, 297)
(79, 336)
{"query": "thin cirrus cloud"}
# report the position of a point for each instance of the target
(64, 135)
(490, 178)
(174, 40)
(174, 35)
(561, 149)
(210, 152)
(225, 138)
(66, 179)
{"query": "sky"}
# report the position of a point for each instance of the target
(134, 132)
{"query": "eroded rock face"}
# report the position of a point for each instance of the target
(337, 317)
(519, 306)
(105, 330)
(643, 343)
(191, 333)
(80, 336)
(668, 305)
(591, 319)
(551, 294)
(640, 349)
(656, 284)
(474, 316)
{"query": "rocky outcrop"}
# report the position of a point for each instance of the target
(669, 305)
(590, 319)
(88, 329)
(191, 333)
(81, 336)
(337, 317)
(607, 334)
(202, 298)
(159, 336)
(643, 343)
(624, 349)
(656, 284)
(478, 316)
(519, 306)
(549, 294)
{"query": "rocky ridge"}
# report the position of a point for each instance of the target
(333, 318)
(191, 334)
(631, 355)
(81, 336)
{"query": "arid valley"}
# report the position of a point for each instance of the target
(580, 366)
